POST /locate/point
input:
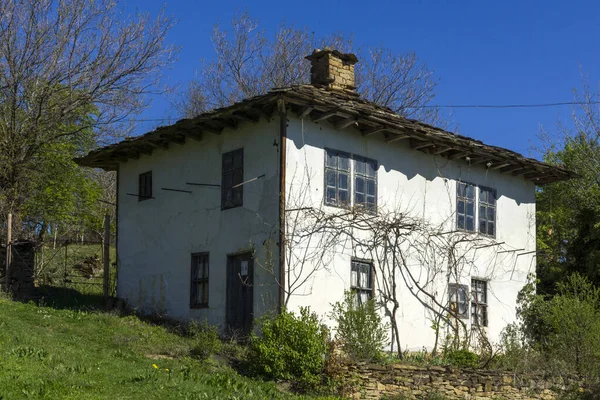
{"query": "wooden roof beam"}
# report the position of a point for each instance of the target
(371, 131)
(345, 123)
(227, 123)
(441, 150)
(421, 145)
(158, 144)
(512, 170)
(501, 165)
(306, 112)
(325, 116)
(460, 154)
(245, 116)
(396, 137)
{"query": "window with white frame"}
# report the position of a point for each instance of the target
(343, 177)
(475, 209)
(479, 311)
(458, 300)
(361, 281)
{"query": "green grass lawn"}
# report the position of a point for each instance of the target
(48, 353)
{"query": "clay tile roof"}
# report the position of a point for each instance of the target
(343, 109)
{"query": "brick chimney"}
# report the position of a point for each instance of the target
(332, 69)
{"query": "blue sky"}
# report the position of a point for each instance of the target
(483, 52)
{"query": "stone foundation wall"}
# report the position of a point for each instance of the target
(415, 382)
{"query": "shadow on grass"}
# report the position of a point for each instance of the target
(68, 298)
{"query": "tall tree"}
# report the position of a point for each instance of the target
(68, 67)
(248, 63)
(568, 216)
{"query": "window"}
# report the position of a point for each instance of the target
(361, 280)
(199, 281)
(337, 178)
(341, 174)
(457, 295)
(466, 211)
(145, 186)
(365, 183)
(479, 302)
(465, 206)
(487, 211)
(232, 192)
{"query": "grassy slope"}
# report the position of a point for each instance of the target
(47, 353)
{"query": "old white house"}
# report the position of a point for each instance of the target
(293, 197)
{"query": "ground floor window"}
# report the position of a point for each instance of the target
(479, 312)
(458, 296)
(199, 280)
(362, 280)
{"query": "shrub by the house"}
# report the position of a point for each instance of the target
(290, 347)
(360, 331)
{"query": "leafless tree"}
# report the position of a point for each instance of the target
(248, 63)
(411, 255)
(67, 67)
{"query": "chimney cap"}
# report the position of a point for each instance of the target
(318, 53)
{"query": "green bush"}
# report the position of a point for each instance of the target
(206, 340)
(462, 358)
(290, 348)
(360, 331)
(566, 328)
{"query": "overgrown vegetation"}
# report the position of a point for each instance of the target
(47, 353)
(360, 331)
(290, 347)
(560, 334)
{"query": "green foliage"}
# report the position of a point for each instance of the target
(565, 328)
(69, 354)
(290, 347)
(462, 358)
(568, 214)
(360, 331)
(206, 338)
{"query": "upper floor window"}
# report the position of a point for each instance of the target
(337, 178)
(232, 191)
(365, 182)
(467, 197)
(487, 211)
(343, 177)
(479, 302)
(361, 280)
(145, 186)
(465, 206)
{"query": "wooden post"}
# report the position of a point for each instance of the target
(106, 257)
(8, 252)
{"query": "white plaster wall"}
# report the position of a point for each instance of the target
(156, 237)
(425, 186)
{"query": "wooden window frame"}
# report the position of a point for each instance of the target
(359, 287)
(486, 206)
(479, 286)
(367, 179)
(337, 171)
(237, 193)
(455, 305)
(462, 197)
(145, 186)
(195, 280)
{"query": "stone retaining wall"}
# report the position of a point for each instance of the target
(415, 382)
